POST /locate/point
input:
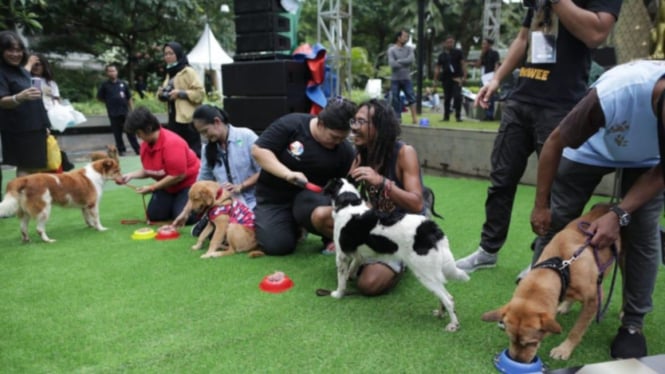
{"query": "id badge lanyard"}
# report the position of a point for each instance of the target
(543, 39)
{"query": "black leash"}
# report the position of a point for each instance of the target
(601, 270)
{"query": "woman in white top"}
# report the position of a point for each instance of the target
(39, 67)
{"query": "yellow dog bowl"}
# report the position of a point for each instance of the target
(143, 233)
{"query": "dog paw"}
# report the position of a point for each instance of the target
(337, 294)
(439, 313)
(564, 307)
(561, 352)
(196, 247)
(452, 327)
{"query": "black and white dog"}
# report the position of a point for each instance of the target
(361, 232)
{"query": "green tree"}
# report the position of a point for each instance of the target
(22, 14)
(131, 32)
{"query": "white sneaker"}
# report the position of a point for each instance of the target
(480, 259)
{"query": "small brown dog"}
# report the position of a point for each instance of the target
(232, 221)
(111, 152)
(530, 315)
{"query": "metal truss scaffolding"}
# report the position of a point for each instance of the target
(492, 19)
(334, 24)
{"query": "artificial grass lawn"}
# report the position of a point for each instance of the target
(101, 302)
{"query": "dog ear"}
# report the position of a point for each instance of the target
(494, 315)
(550, 325)
(332, 187)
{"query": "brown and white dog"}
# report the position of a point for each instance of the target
(531, 313)
(32, 196)
(111, 152)
(231, 219)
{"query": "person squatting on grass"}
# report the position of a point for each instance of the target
(298, 148)
(618, 124)
(168, 160)
(389, 175)
(552, 79)
(227, 157)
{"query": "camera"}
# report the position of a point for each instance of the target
(166, 91)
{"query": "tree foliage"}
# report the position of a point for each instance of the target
(23, 14)
(128, 32)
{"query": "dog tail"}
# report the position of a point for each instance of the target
(10, 204)
(450, 269)
(457, 273)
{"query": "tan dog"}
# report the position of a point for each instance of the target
(111, 152)
(232, 221)
(530, 315)
(31, 196)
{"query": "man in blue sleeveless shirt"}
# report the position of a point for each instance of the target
(616, 126)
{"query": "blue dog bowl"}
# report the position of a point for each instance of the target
(505, 364)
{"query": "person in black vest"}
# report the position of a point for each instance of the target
(451, 69)
(116, 95)
(488, 62)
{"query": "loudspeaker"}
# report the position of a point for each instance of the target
(255, 6)
(261, 42)
(257, 113)
(265, 78)
(262, 22)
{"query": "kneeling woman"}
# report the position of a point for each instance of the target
(168, 160)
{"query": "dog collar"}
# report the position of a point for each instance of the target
(557, 264)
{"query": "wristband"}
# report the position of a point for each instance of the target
(15, 100)
(182, 94)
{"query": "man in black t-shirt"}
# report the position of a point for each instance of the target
(488, 62)
(451, 69)
(553, 52)
(116, 95)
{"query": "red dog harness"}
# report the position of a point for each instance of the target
(237, 211)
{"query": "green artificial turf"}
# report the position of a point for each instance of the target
(96, 302)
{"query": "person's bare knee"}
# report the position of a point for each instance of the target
(376, 279)
(322, 221)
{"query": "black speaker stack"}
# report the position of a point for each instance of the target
(263, 83)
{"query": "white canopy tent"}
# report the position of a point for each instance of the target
(207, 57)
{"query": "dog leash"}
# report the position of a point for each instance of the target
(145, 210)
(583, 226)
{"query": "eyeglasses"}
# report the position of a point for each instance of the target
(360, 122)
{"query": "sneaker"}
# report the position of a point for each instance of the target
(628, 343)
(522, 274)
(329, 249)
(199, 226)
(480, 259)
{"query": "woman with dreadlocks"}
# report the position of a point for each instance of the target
(388, 172)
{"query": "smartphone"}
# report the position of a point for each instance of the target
(36, 82)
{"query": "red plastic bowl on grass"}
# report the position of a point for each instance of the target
(167, 233)
(276, 283)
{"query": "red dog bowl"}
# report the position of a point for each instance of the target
(167, 233)
(276, 283)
